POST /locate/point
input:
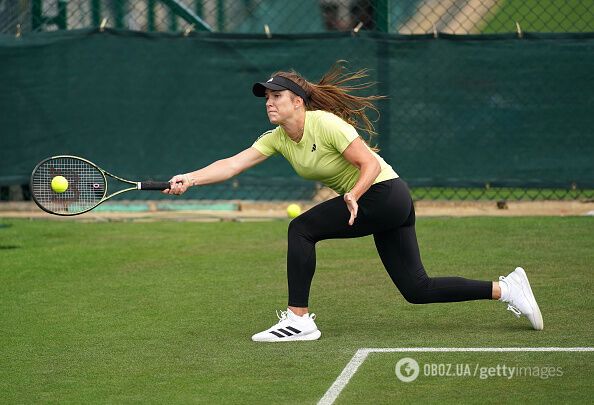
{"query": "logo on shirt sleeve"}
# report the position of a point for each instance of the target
(313, 148)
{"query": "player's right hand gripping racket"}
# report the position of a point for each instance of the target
(85, 189)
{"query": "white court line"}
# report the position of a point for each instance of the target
(351, 368)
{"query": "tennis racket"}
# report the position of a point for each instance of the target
(87, 185)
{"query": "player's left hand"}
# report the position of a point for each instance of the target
(352, 205)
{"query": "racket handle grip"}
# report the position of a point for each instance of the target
(154, 185)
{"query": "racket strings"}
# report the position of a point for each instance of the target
(86, 185)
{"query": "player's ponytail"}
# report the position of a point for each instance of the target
(333, 94)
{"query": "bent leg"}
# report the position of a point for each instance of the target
(327, 220)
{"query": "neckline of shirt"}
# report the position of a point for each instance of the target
(301, 142)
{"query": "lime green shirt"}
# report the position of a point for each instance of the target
(318, 155)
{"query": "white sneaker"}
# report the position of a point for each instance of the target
(290, 327)
(520, 298)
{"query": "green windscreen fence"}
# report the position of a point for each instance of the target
(461, 111)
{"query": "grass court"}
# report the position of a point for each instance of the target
(162, 312)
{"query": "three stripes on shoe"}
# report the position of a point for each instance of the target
(283, 332)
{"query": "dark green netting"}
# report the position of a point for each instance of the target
(462, 111)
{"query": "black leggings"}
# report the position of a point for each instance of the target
(386, 210)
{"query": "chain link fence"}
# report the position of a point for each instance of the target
(272, 17)
(303, 16)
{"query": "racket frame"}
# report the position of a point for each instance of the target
(104, 173)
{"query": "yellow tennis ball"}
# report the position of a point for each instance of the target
(59, 184)
(293, 210)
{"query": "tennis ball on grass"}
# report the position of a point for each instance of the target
(293, 210)
(59, 184)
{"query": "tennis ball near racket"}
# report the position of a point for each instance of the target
(293, 210)
(59, 184)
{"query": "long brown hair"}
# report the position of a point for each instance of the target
(333, 94)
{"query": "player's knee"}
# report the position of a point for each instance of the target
(414, 297)
(417, 293)
(298, 226)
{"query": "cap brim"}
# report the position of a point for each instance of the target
(259, 89)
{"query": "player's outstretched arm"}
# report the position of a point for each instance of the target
(216, 172)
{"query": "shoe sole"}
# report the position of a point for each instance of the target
(310, 336)
(538, 323)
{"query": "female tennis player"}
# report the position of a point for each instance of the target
(316, 131)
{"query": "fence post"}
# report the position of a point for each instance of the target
(382, 15)
(151, 15)
(118, 12)
(199, 8)
(36, 17)
(96, 12)
(220, 15)
(61, 17)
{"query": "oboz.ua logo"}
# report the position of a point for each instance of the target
(407, 369)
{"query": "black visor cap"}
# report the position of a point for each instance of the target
(278, 83)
